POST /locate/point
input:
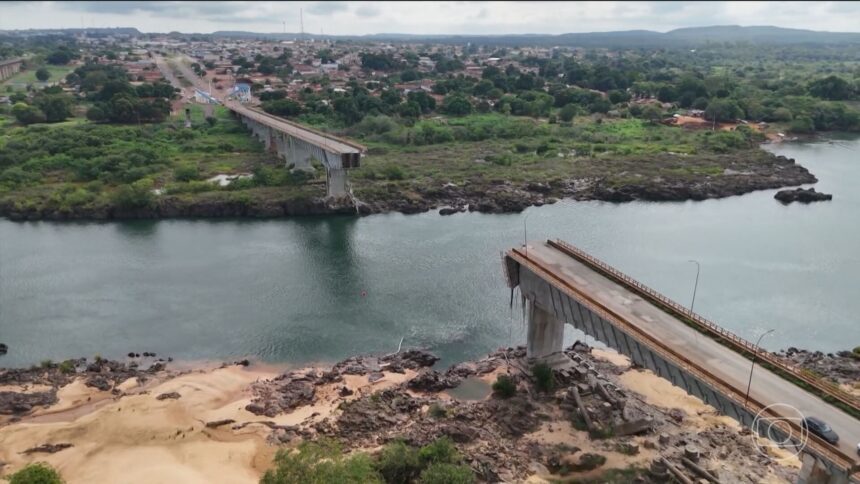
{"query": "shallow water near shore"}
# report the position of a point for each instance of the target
(320, 289)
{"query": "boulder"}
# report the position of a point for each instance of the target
(801, 195)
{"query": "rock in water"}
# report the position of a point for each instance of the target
(3, 349)
(801, 195)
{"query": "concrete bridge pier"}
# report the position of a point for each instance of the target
(336, 185)
(545, 340)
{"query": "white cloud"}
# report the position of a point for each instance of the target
(356, 18)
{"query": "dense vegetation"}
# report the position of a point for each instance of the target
(323, 462)
(766, 85)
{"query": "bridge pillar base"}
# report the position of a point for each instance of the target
(545, 338)
(814, 471)
(336, 183)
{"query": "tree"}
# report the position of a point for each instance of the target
(57, 107)
(568, 112)
(411, 110)
(423, 99)
(61, 56)
(831, 87)
(26, 114)
(456, 105)
(723, 110)
(282, 107)
(43, 74)
(652, 113)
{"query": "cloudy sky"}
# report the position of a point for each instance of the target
(356, 18)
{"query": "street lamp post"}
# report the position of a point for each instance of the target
(696, 285)
(755, 354)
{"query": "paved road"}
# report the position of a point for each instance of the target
(726, 364)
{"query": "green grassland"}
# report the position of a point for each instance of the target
(21, 80)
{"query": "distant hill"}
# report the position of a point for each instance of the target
(97, 31)
(627, 38)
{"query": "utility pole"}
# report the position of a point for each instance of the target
(755, 354)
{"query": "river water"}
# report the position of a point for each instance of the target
(318, 289)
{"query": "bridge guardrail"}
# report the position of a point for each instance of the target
(823, 386)
(751, 404)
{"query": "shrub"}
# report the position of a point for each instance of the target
(522, 147)
(46, 363)
(447, 474)
(398, 463)
(504, 386)
(437, 411)
(501, 160)
(37, 473)
(393, 172)
(67, 367)
(135, 195)
(186, 172)
(211, 121)
(320, 463)
(442, 451)
(544, 380)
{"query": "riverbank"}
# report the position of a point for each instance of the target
(111, 422)
(662, 177)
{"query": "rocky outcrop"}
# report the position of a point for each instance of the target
(842, 367)
(102, 374)
(801, 195)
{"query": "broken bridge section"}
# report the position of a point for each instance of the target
(560, 285)
(298, 145)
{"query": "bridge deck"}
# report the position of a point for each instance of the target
(326, 142)
(731, 367)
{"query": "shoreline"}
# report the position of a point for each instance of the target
(111, 421)
(492, 196)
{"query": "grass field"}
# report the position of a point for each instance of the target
(21, 80)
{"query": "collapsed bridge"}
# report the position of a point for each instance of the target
(562, 284)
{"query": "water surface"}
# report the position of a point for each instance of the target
(319, 289)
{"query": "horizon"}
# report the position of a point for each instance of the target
(425, 18)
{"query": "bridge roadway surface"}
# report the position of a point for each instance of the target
(326, 142)
(721, 361)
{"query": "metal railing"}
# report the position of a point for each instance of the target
(751, 405)
(709, 326)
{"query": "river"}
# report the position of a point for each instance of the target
(318, 289)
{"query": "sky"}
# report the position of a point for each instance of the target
(476, 18)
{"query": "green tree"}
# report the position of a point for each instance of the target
(568, 112)
(456, 105)
(723, 110)
(56, 107)
(802, 125)
(832, 87)
(320, 463)
(26, 114)
(43, 74)
(652, 113)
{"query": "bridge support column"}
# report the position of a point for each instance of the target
(545, 337)
(336, 183)
(814, 471)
